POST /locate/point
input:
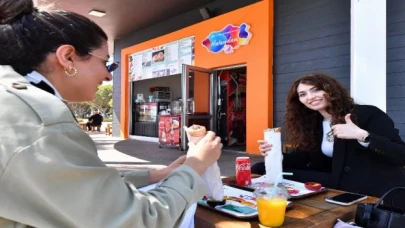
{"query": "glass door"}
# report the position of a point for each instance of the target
(199, 96)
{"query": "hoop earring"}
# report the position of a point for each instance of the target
(69, 73)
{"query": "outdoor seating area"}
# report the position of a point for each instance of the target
(83, 126)
(108, 129)
(309, 211)
(104, 127)
(96, 128)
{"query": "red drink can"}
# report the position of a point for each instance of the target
(243, 175)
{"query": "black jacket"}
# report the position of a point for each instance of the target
(354, 168)
(96, 120)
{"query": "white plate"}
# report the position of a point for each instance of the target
(293, 184)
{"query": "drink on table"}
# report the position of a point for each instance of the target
(271, 205)
(273, 161)
(243, 174)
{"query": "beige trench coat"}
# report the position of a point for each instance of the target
(51, 176)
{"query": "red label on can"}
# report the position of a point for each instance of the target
(243, 175)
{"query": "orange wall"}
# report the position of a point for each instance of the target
(257, 55)
(201, 92)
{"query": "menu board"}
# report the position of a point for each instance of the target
(161, 61)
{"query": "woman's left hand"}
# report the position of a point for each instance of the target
(349, 130)
(160, 174)
(178, 162)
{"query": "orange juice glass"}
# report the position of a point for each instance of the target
(271, 205)
(271, 210)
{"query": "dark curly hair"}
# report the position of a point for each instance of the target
(302, 123)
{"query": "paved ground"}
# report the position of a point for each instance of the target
(132, 154)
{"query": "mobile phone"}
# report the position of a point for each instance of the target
(346, 199)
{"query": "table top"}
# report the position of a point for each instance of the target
(312, 211)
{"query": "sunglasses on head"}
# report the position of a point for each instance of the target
(110, 67)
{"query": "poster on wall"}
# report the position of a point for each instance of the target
(161, 61)
(228, 39)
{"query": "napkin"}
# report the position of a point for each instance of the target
(274, 159)
(341, 224)
(212, 176)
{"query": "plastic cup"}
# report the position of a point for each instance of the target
(271, 206)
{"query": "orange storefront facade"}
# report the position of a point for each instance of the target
(257, 56)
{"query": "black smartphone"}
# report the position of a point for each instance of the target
(346, 199)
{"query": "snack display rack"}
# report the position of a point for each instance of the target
(169, 130)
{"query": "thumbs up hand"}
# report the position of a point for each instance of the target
(348, 120)
(349, 130)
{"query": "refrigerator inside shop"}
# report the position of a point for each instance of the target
(146, 117)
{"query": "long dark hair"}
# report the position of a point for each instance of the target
(28, 35)
(302, 123)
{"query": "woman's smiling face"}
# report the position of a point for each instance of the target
(312, 97)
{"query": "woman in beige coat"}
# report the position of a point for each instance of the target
(50, 174)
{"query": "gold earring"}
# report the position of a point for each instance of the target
(69, 72)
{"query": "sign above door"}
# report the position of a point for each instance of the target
(228, 39)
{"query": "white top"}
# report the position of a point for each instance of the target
(327, 147)
(36, 78)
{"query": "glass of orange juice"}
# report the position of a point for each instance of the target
(271, 204)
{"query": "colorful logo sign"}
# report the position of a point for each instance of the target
(228, 39)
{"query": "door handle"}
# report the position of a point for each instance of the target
(220, 114)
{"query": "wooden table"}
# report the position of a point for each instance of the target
(108, 129)
(83, 126)
(312, 211)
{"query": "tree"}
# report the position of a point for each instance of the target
(79, 108)
(103, 97)
(111, 103)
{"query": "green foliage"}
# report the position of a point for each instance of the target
(80, 109)
(111, 103)
(103, 101)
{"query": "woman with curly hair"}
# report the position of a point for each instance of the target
(338, 143)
